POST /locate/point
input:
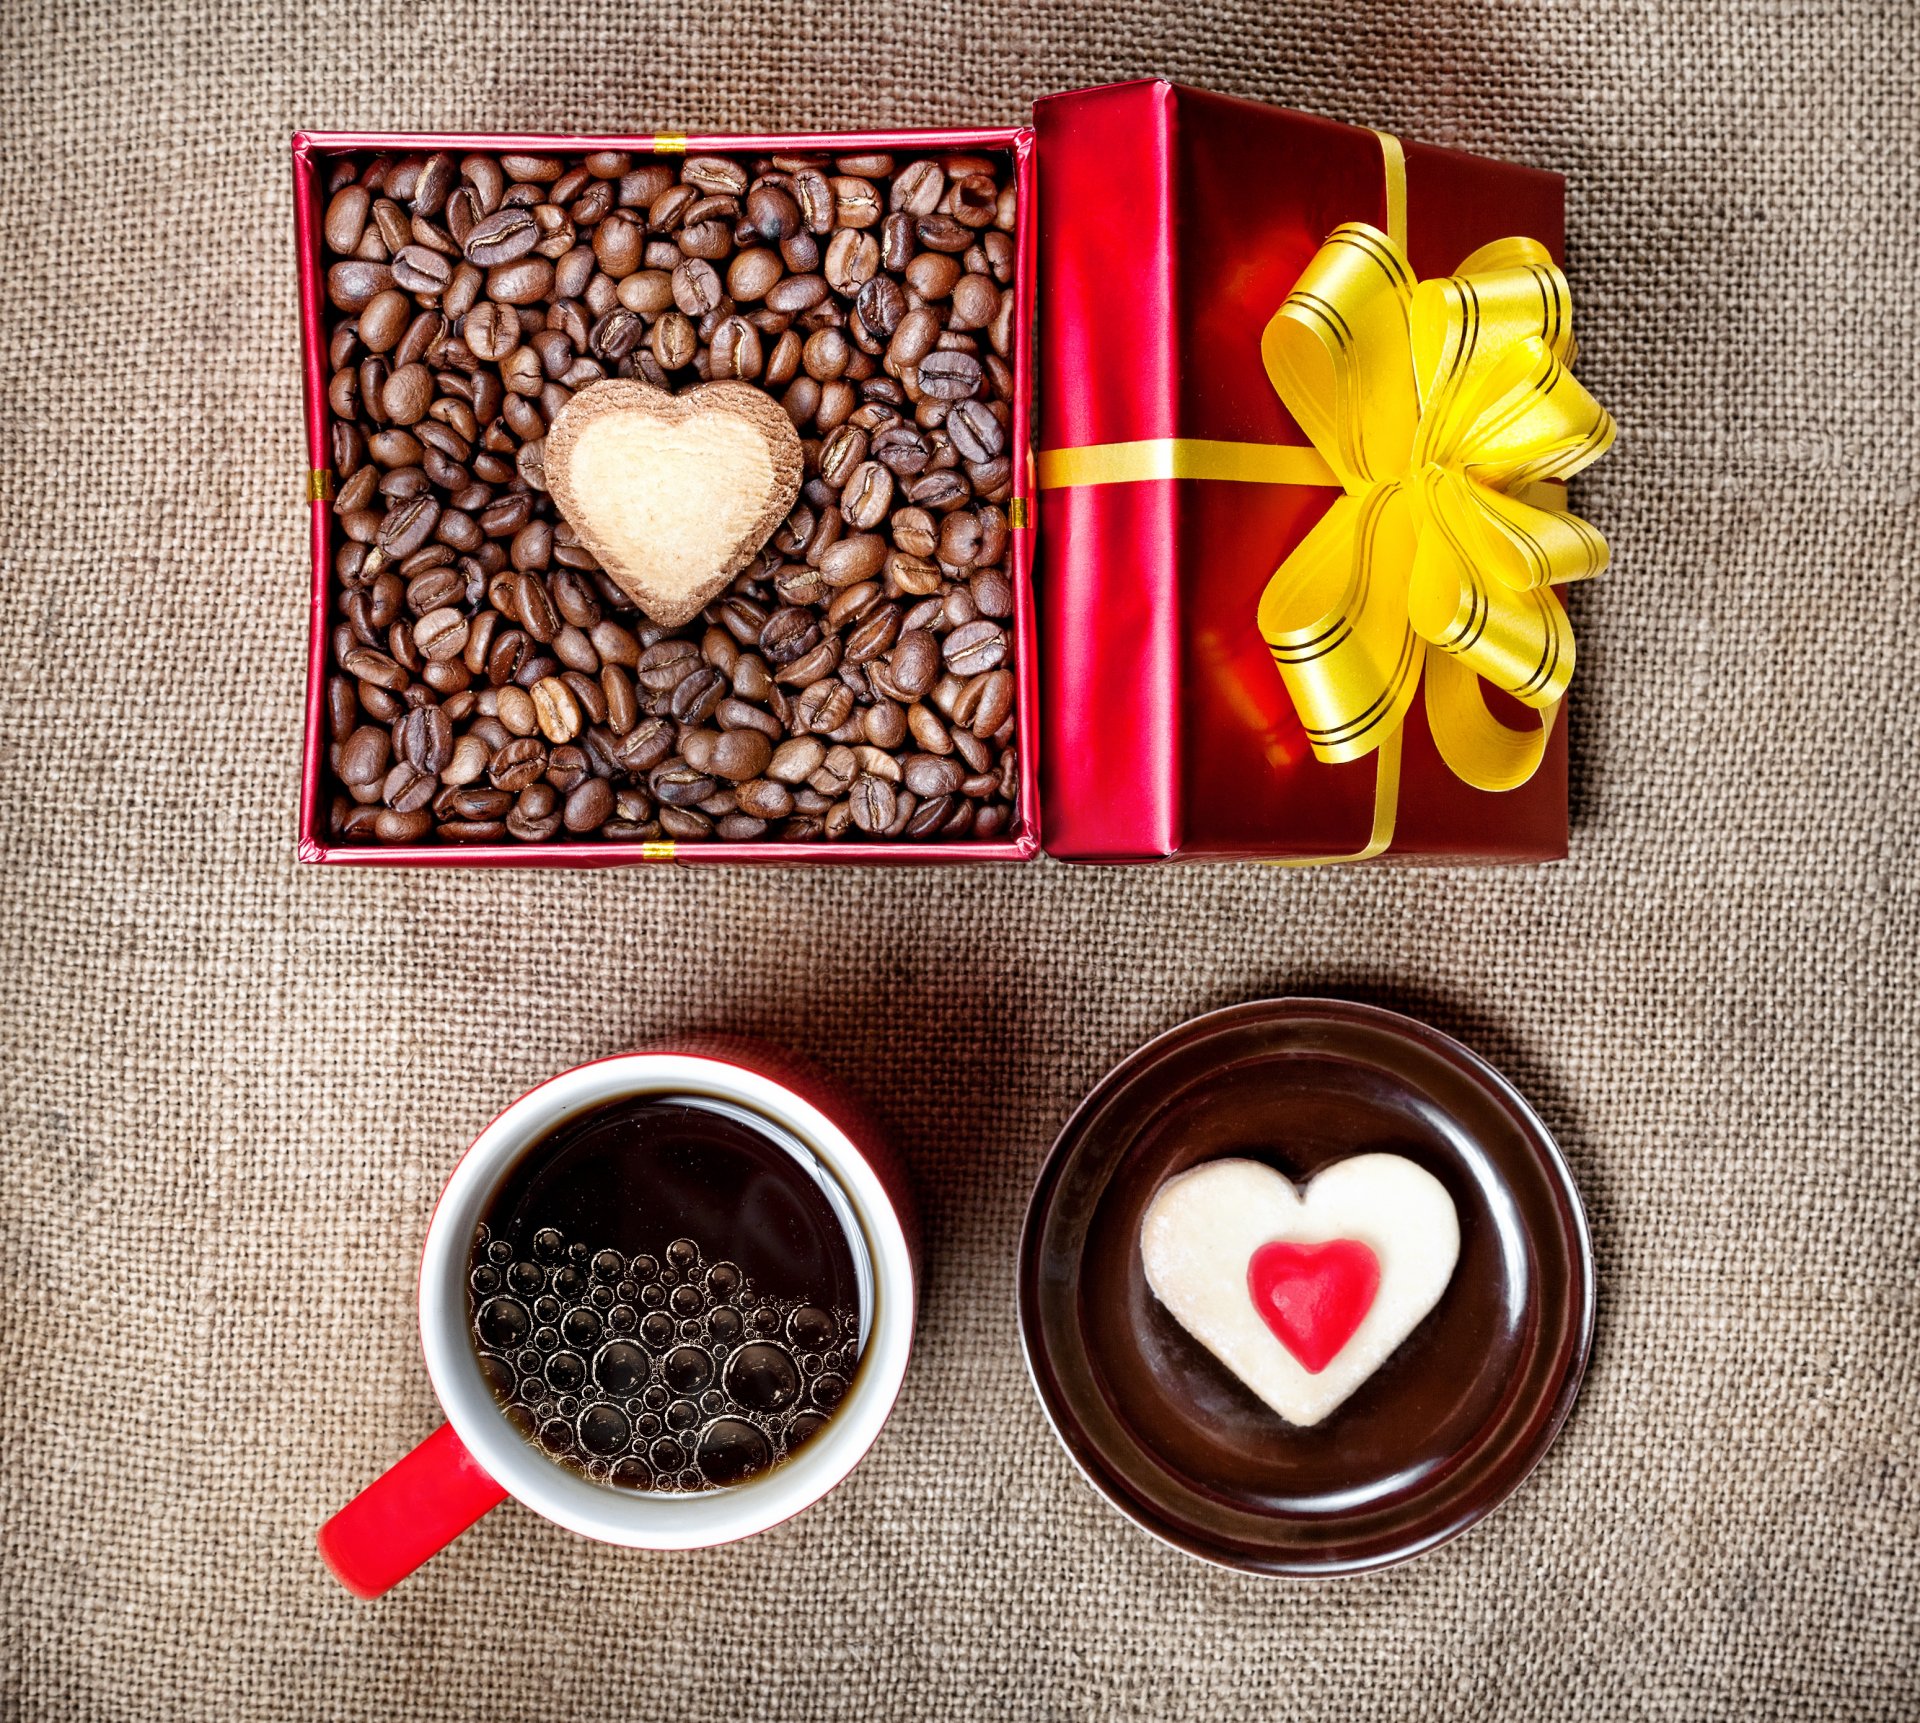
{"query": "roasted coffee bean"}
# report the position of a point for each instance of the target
(407, 789)
(814, 196)
(697, 695)
(424, 738)
(876, 762)
(408, 525)
(680, 786)
(930, 818)
(556, 709)
(384, 321)
(941, 490)
(932, 774)
(514, 707)
(483, 653)
(491, 330)
(395, 827)
(868, 496)
(950, 376)
(375, 668)
(482, 804)
(858, 557)
(343, 708)
(390, 223)
(351, 286)
(734, 713)
(795, 761)
(346, 218)
(975, 302)
(589, 805)
(942, 233)
(734, 351)
(407, 394)
(917, 188)
(824, 707)
(616, 645)
(468, 761)
(572, 647)
(873, 803)
(696, 287)
(740, 754)
(646, 745)
(973, 647)
(536, 814)
(518, 763)
(532, 170)
(856, 201)
(915, 662)
(674, 341)
(977, 435)
(364, 755)
(715, 174)
(872, 637)
(788, 634)
(835, 773)
(566, 766)
(884, 723)
(763, 799)
(772, 212)
(680, 822)
(586, 695)
(616, 689)
(525, 281)
(436, 178)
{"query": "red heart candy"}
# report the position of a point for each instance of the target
(1313, 1296)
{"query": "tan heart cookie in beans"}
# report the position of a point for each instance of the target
(674, 494)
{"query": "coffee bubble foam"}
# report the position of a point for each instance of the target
(663, 1374)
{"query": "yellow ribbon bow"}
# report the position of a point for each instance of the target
(1438, 405)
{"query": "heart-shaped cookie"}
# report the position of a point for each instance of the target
(1302, 1295)
(674, 494)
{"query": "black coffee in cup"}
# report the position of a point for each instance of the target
(668, 1293)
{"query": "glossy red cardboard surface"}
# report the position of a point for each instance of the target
(310, 153)
(1172, 223)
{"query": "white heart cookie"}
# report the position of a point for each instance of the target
(1205, 1227)
(673, 494)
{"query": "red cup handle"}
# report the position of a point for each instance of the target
(412, 1511)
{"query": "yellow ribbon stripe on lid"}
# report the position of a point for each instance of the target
(1182, 458)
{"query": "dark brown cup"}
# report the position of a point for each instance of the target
(1449, 1425)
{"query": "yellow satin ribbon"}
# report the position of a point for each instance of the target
(1438, 405)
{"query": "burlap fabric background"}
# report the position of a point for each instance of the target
(233, 1085)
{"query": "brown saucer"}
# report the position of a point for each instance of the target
(1449, 1425)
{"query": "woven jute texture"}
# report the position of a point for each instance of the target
(233, 1085)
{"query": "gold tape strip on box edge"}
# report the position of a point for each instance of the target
(658, 850)
(669, 143)
(319, 484)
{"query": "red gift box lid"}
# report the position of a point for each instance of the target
(1172, 223)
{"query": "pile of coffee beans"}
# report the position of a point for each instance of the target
(653, 1373)
(490, 683)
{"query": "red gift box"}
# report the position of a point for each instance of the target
(311, 152)
(1173, 223)
(1170, 224)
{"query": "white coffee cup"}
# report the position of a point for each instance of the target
(478, 1458)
